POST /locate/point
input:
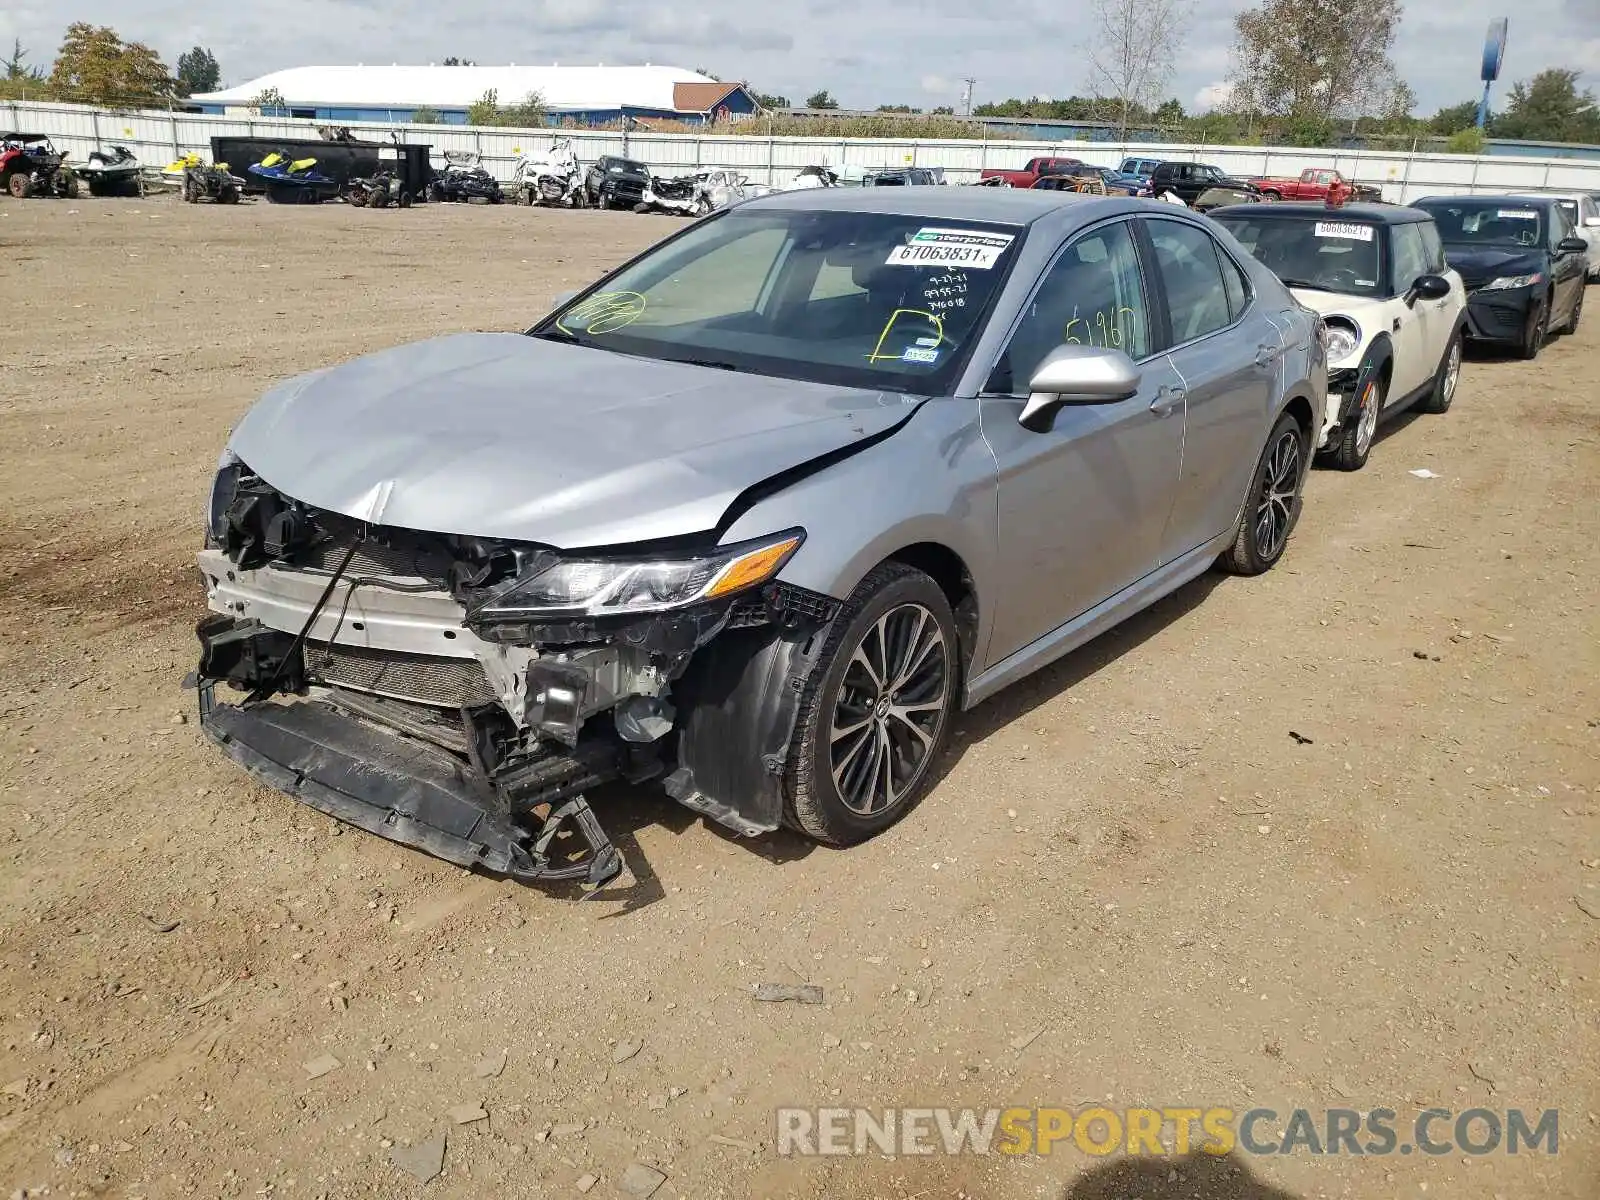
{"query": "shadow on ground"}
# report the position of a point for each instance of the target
(1194, 1176)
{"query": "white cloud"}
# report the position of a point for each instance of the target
(938, 85)
(1212, 96)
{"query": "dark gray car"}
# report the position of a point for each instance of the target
(758, 514)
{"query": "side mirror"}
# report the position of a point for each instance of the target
(1572, 245)
(1591, 222)
(1077, 375)
(1430, 287)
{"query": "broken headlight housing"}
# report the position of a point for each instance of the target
(557, 587)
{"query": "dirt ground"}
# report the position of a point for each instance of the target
(1133, 884)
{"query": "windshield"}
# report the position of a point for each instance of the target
(1325, 256)
(858, 299)
(1487, 223)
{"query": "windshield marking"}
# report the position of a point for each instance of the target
(1111, 327)
(888, 326)
(605, 312)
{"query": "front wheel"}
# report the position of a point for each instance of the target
(1270, 197)
(1272, 505)
(877, 710)
(1537, 330)
(1355, 440)
(19, 185)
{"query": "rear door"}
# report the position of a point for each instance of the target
(1228, 352)
(1083, 505)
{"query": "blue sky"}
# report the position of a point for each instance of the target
(866, 52)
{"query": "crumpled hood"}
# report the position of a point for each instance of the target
(507, 436)
(1480, 265)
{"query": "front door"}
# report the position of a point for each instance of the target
(1082, 505)
(1415, 328)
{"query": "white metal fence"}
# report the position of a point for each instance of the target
(159, 137)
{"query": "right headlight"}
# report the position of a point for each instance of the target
(1344, 338)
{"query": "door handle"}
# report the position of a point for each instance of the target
(1267, 355)
(1167, 400)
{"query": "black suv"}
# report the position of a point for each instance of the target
(616, 182)
(1523, 263)
(1190, 179)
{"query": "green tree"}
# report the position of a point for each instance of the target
(1455, 118)
(484, 109)
(18, 81)
(1131, 53)
(426, 116)
(822, 99)
(198, 72)
(529, 113)
(771, 101)
(95, 66)
(1315, 59)
(1550, 108)
(897, 108)
(453, 61)
(1467, 141)
(268, 102)
(944, 110)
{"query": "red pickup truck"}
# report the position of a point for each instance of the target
(1030, 174)
(1315, 183)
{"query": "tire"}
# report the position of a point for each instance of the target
(1256, 547)
(1538, 329)
(1445, 380)
(67, 187)
(19, 185)
(1357, 436)
(525, 197)
(1270, 197)
(98, 188)
(191, 191)
(1577, 315)
(228, 195)
(405, 200)
(911, 613)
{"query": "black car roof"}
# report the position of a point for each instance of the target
(1510, 199)
(1379, 214)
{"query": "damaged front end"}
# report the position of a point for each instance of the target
(461, 695)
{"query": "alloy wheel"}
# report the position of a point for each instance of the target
(1452, 371)
(1371, 402)
(1275, 511)
(888, 711)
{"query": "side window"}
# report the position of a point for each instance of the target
(1589, 209)
(1235, 284)
(1092, 295)
(1432, 246)
(1197, 297)
(1410, 257)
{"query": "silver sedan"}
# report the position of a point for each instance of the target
(755, 515)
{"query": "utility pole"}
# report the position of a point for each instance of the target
(966, 96)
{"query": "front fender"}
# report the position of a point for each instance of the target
(934, 480)
(1379, 352)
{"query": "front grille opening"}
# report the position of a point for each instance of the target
(421, 678)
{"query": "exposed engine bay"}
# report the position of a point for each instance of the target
(462, 694)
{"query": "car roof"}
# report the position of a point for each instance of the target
(1494, 198)
(1002, 206)
(14, 136)
(1381, 214)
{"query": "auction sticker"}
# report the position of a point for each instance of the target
(1339, 229)
(1518, 214)
(950, 248)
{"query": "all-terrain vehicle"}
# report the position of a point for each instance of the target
(198, 180)
(380, 190)
(30, 165)
(114, 171)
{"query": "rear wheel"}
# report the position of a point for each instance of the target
(67, 187)
(191, 191)
(876, 711)
(1272, 506)
(19, 185)
(405, 200)
(1577, 314)
(1444, 383)
(1270, 197)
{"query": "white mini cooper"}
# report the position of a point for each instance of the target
(1394, 311)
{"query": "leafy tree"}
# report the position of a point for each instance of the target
(769, 102)
(18, 81)
(482, 111)
(1454, 118)
(198, 72)
(268, 102)
(426, 116)
(822, 99)
(944, 110)
(1168, 114)
(1315, 59)
(1550, 108)
(1469, 140)
(16, 67)
(897, 108)
(95, 66)
(453, 61)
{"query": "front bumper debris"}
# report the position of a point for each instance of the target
(408, 792)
